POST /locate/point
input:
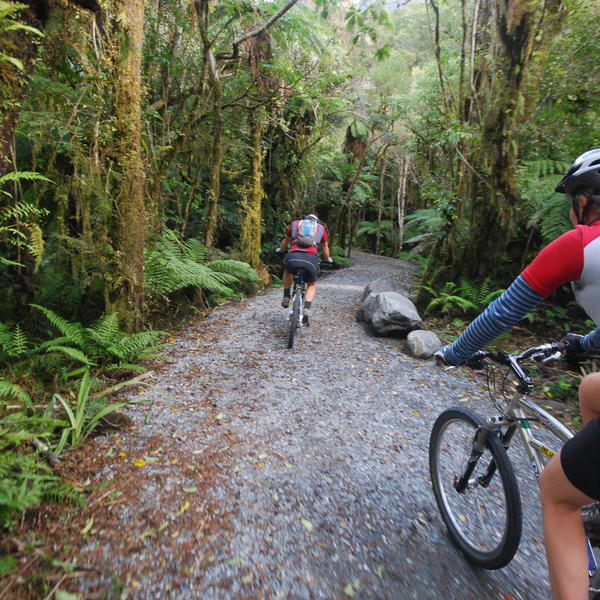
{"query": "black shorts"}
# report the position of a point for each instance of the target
(294, 261)
(580, 459)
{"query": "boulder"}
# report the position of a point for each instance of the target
(382, 284)
(422, 344)
(390, 313)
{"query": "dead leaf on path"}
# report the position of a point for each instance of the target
(349, 590)
(234, 562)
(140, 462)
(260, 466)
(88, 526)
(248, 578)
(307, 525)
(190, 490)
(416, 414)
(122, 454)
(379, 571)
(184, 507)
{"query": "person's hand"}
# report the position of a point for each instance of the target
(278, 250)
(572, 342)
(330, 260)
(440, 357)
(574, 353)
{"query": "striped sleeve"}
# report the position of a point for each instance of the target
(591, 342)
(504, 312)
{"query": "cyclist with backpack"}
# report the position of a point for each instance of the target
(572, 478)
(304, 235)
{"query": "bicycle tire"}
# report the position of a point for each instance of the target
(295, 321)
(493, 512)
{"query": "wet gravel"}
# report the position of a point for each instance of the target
(296, 474)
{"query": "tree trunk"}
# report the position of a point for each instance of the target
(251, 230)
(130, 224)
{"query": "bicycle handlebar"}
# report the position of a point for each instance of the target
(541, 353)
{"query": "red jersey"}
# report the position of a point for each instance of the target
(574, 257)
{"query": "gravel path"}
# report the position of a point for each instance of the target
(269, 473)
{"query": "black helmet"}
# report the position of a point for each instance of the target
(312, 217)
(584, 171)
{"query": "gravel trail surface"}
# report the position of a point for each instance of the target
(253, 471)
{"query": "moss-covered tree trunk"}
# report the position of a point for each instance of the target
(129, 235)
(251, 230)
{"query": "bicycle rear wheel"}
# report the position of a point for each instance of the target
(295, 320)
(484, 520)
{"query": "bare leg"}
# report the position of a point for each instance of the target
(287, 280)
(564, 536)
(589, 397)
(311, 288)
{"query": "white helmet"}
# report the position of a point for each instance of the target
(312, 217)
(584, 171)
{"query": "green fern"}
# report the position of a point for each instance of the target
(15, 392)
(173, 265)
(73, 332)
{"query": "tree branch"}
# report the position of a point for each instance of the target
(236, 44)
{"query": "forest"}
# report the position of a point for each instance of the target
(152, 155)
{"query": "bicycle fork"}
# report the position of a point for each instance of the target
(479, 444)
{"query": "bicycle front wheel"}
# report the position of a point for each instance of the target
(485, 519)
(295, 320)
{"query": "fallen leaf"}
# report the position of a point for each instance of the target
(122, 454)
(349, 590)
(184, 507)
(248, 578)
(140, 462)
(236, 561)
(379, 571)
(190, 490)
(88, 526)
(416, 414)
(307, 525)
(261, 456)
(260, 466)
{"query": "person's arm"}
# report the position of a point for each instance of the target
(284, 243)
(504, 312)
(325, 250)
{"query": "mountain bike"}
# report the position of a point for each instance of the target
(296, 309)
(473, 480)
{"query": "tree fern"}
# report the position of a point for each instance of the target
(241, 270)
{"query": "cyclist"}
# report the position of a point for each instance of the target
(572, 478)
(305, 236)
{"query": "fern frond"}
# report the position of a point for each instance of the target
(106, 330)
(73, 331)
(13, 391)
(239, 269)
(73, 353)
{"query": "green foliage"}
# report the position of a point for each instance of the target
(25, 479)
(21, 216)
(467, 297)
(8, 23)
(103, 344)
(174, 265)
(84, 413)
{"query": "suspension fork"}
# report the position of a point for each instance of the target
(479, 443)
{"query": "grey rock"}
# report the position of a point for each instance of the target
(422, 343)
(390, 313)
(383, 284)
